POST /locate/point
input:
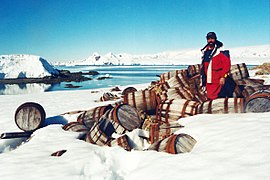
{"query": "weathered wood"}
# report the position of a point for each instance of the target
(222, 106)
(258, 102)
(75, 127)
(124, 118)
(176, 93)
(249, 90)
(249, 82)
(174, 109)
(101, 132)
(108, 97)
(174, 144)
(161, 131)
(59, 153)
(194, 69)
(166, 76)
(89, 117)
(11, 135)
(144, 100)
(180, 80)
(128, 90)
(29, 116)
(122, 141)
(239, 71)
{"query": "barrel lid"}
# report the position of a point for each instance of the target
(127, 116)
(29, 116)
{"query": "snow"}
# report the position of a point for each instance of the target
(229, 146)
(21, 66)
(251, 55)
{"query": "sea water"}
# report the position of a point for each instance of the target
(118, 76)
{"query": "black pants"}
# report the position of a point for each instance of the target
(228, 88)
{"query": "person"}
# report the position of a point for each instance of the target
(215, 68)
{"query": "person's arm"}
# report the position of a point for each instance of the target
(226, 68)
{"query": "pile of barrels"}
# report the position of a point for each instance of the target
(158, 108)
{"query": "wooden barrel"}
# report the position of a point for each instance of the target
(222, 106)
(159, 131)
(174, 109)
(180, 80)
(75, 127)
(194, 69)
(144, 100)
(249, 82)
(176, 93)
(249, 90)
(166, 76)
(258, 102)
(59, 153)
(108, 97)
(101, 132)
(239, 71)
(128, 90)
(29, 116)
(195, 84)
(124, 118)
(122, 141)
(175, 144)
(89, 117)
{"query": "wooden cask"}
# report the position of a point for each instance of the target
(89, 117)
(249, 82)
(128, 90)
(59, 153)
(258, 102)
(144, 100)
(75, 127)
(176, 93)
(122, 141)
(166, 76)
(194, 70)
(123, 118)
(222, 106)
(175, 144)
(108, 97)
(239, 71)
(101, 132)
(159, 131)
(180, 80)
(174, 109)
(249, 90)
(30, 116)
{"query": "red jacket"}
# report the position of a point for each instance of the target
(221, 65)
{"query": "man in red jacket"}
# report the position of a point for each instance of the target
(215, 68)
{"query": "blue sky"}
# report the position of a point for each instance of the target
(74, 29)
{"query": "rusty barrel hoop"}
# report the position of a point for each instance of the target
(29, 116)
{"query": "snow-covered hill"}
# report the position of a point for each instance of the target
(21, 66)
(252, 55)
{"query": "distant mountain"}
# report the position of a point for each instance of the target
(252, 55)
(22, 66)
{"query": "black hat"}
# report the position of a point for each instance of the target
(211, 35)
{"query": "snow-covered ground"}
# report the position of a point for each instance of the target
(229, 146)
(248, 54)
